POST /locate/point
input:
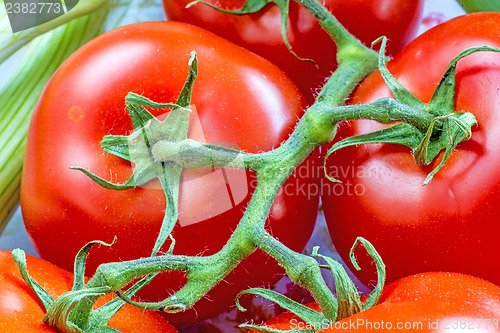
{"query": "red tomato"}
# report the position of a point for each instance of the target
(238, 98)
(260, 32)
(22, 312)
(428, 302)
(452, 223)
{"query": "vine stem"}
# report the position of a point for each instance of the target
(272, 168)
(315, 128)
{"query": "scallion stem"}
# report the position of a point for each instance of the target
(19, 96)
(12, 42)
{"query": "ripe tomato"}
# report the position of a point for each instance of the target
(260, 32)
(452, 223)
(21, 311)
(238, 98)
(428, 302)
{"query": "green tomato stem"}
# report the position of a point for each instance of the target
(350, 71)
(301, 269)
(386, 111)
(171, 147)
(272, 168)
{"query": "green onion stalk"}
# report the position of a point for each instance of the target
(42, 56)
(12, 42)
(480, 5)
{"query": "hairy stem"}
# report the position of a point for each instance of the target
(386, 111)
(315, 128)
(301, 269)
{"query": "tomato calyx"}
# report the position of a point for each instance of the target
(160, 149)
(59, 312)
(137, 148)
(446, 129)
(72, 311)
(348, 298)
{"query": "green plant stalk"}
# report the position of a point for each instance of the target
(19, 96)
(272, 168)
(480, 5)
(205, 272)
(12, 42)
(315, 128)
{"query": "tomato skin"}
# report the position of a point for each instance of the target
(21, 311)
(432, 302)
(239, 97)
(260, 32)
(450, 224)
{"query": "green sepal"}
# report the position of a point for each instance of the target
(446, 130)
(176, 124)
(400, 93)
(101, 316)
(44, 297)
(308, 315)
(138, 113)
(172, 174)
(117, 145)
(349, 302)
(139, 177)
(401, 134)
(443, 100)
(136, 148)
(264, 329)
(184, 99)
(374, 296)
(456, 125)
(172, 245)
(60, 314)
(457, 129)
(176, 129)
(164, 305)
(79, 266)
(120, 145)
(423, 151)
(253, 6)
